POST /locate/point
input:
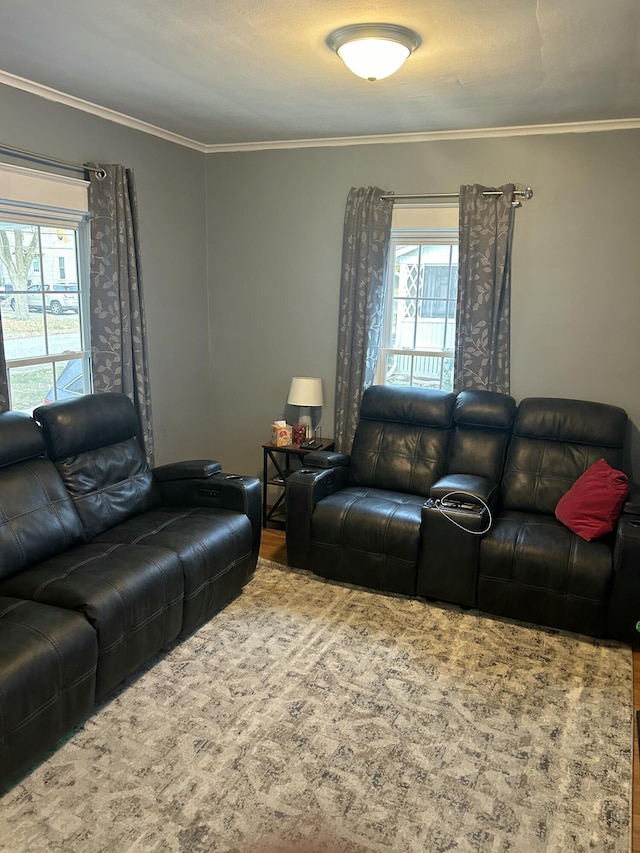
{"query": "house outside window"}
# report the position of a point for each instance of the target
(44, 264)
(422, 277)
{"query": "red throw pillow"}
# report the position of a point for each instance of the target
(593, 504)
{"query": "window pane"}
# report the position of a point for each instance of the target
(404, 323)
(398, 369)
(24, 337)
(430, 333)
(447, 374)
(71, 381)
(59, 263)
(40, 305)
(29, 386)
(421, 311)
(64, 333)
(450, 337)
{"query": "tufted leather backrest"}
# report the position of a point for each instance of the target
(37, 517)
(554, 442)
(402, 438)
(92, 442)
(483, 422)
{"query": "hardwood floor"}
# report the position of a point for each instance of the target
(273, 547)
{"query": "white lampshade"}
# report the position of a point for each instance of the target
(373, 51)
(305, 391)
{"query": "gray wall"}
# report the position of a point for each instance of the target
(170, 184)
(241, 260)
(274, 237)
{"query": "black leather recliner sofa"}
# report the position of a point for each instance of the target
(374, 517)
(103, 561)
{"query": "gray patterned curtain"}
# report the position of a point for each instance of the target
(484, 290)
(367, 227)
(4, 384)
(118, 330)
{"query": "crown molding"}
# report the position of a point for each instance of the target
(58, 97)
(50, 94)
(434, 135)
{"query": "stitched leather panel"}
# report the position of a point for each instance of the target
(214, 547)
(554, 443)
(20, 438)
(368, 537)
(402, 438)
(399, 457)
(109, 485)
(485, 409)
(533, 568)
(480, 452)
(47, 679)
(483, 422)
(539, 472)
(576, 421)
(37, 517)
(85, 423)
(417, 406)
(130, 594)
(91, 439)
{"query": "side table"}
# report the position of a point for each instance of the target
(276, 467)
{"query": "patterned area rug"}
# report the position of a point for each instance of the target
(309, 716)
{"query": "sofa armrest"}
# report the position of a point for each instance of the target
(305, 488)
(186, 470)
(197, 486)
(326, 459)
(624, 602)
(465, 488)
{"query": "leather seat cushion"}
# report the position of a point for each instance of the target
(369, 537)
(533, 568)
(47, 679)
(130, 594)
(214, 547)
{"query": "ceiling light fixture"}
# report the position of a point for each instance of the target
(373, 51)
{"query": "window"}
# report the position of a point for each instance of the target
(44, 256)
(422, 279)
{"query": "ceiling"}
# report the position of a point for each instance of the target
(230, 72)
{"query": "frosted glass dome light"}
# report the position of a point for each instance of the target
(373, 51)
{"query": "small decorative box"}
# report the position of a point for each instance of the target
(281, 434)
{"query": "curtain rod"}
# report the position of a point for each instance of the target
(521, 192)
(50, 161)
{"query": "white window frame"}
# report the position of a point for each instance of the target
(33, 197)
(409, 225)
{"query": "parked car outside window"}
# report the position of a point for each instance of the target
(57, 298)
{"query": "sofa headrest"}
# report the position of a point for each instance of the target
(417, 406)
(484, 409)
(577, 421)
(85, 423)
(20, 438)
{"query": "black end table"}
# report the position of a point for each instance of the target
(277, 466)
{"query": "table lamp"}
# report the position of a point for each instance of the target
(306, 392)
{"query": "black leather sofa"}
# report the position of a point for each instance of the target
(375, 517)
(103, 561)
